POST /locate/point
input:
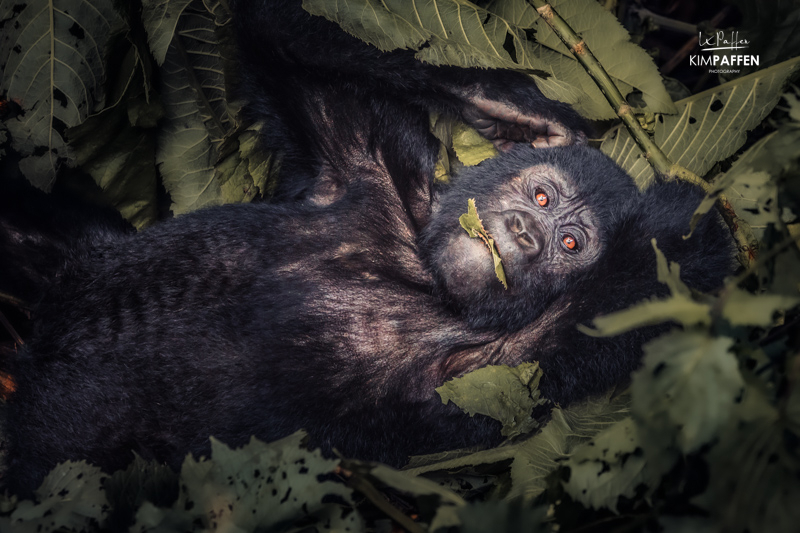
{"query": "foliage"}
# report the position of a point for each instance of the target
(506, 34)
(473, 225)
(98, 107)
(708, 127)
(706, 439)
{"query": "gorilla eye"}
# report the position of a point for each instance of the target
(569, 242)
(541, 198)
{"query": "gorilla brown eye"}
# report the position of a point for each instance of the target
(569, 241)
(541, 198)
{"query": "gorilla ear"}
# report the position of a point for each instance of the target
(506, 124)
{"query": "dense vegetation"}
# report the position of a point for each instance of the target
(707, 436)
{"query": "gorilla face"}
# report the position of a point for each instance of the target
(550, 212)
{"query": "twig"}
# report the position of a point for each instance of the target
(362, 485)
(740, 230)
(596, 71)
(13, 300)
(11, 329)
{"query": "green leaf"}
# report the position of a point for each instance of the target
(197, 119)
(686, 390)
(630, 66)
(160, 17)
(256, 487)
(533, 459)
(611, 466)
(742, 308)
(679, 307)
(456, 32)
(247, 172)
(750, 185)
(53, 61)
(70, 497)
(473, 225)
(470, 147)
(507, 394)
(710, 126)
(754, 471)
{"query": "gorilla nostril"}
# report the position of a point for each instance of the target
(525, 239)
(531, 244)
(515, 224)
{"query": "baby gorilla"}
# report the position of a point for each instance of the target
(342, 306)
(263, 319)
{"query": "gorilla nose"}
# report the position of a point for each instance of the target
(523, 229)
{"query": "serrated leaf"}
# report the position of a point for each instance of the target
(470, 147)
(750, 184)
(456, 32)
(679, 307)
(630, 66)
(473, 225)
(611, 466)
(248, 172)
(196, 114)
(160, 17)
(687, 387)
(535, 458)
(508, 394)
(709, 126)
(70, 497)
(753, 471)
(257, 487)
(742, 308)
(53, 62)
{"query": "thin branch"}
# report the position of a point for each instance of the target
(362, 485)
(13, 300)
(11, 330)
(740, 230)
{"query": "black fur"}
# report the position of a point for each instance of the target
(329, 311)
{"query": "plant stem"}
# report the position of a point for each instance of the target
(740, 230)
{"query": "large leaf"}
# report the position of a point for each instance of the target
(751, 183)
(507, 394)
(679, 307)
(53, 62)
(196, 115)
(533, 459)
(609, 467)
(160, 18)
(259, 487)
(71, 498)
(709, 127)
(753, 468)
(628, 64)
(687, 388)
(457, 32)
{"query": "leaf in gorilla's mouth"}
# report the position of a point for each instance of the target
(472, 223)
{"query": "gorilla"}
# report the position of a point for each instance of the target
(341, 305)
